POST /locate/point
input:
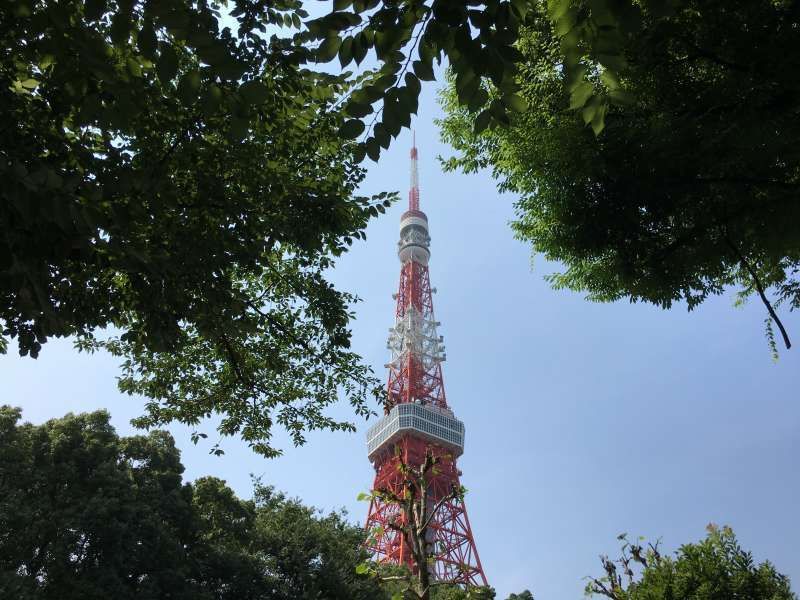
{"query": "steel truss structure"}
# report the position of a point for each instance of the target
(415, 377)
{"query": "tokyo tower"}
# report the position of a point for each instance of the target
(418, 421)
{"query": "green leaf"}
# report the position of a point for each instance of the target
(382, 135)
(352, 129)
(362, 569)
(557, 8)
(599, 120)
(188, 86)
(468, 92)
(134, 68)
(239, 128)
(29, 84)
(46, 61)
(373, 149)
(521, 7)
(478, 100)
(565, 23)
(358, 110)
(482, 121)
(94, 9)
(328, 49)
(346, 52)
(610, 79)
(413, 84)
(363, 496)
(580, 95)
(575, 76)
(615, 62)
(360, 153)
(167, 64)
(120, 28)
(515, 102)
(360, 48)
(590, 109)
(212, 99)
(146, 40)
(423, 70)
(255, 92)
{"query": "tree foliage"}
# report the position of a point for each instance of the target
(691, 187)
(181, 185)
(87, 514)
(715, 568)
(477, 39)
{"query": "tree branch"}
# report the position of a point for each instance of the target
(760, 288)
(600, 588)
(451, 496)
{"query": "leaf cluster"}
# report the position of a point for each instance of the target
(409, 39)
(169, 179)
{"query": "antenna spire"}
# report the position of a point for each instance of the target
(413, 193)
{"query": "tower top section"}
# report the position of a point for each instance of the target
(415, 374)
(414, 244)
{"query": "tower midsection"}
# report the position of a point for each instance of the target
(429, 423)
(415, 373)
(449, 537)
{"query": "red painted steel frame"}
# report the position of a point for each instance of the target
(453, 545)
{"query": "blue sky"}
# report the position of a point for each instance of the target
(583, 420)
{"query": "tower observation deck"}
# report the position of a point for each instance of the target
(417, 418)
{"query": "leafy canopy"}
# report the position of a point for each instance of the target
(173, 191)
(692, 186)
(85, 514)
(407, 37)
(715, 568)
(480, 42)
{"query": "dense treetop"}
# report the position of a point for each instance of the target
(87, 514)
(692, 185)
(715, 568)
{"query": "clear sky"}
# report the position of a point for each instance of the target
(583, 420)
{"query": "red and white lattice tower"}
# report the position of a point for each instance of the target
(417, 418)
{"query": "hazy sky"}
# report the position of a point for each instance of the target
(583, 420)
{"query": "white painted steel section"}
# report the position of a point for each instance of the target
(414, 240)
(414, 220)
(416, 253)
(431, 423)
(413, 334)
